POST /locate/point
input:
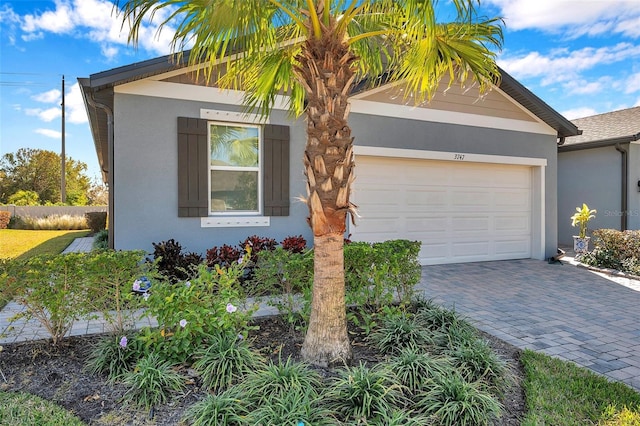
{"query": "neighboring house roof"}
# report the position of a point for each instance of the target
(99, 88)
(605, 130)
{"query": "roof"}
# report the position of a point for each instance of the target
(101, 85)
(605, 129)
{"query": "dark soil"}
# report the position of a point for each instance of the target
(58, 374)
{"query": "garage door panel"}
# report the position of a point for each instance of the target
(461, 212)
(513, 224)
(512, 246)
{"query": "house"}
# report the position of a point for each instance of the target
(472, 177)
(601, 168)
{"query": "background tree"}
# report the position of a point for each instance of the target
(316, 51)
(38, 170)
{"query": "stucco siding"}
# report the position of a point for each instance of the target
(409, 134)
(590, 176)
(145, 172)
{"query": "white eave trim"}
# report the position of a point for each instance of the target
(460, 157)
(449, 117)
(190, 92)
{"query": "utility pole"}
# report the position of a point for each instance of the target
(63, 180)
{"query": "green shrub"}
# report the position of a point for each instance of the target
(151, 382)
(96, 221)
(455, 402)
(24, 198)
(109, 276)
(284, 277)
(226, 360)
(363, 393)
(189, 312)
(101, 240)
(5, 218)
(52, 289)
(615, 249)
(223, 409)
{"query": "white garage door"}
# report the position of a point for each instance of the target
(460, 211)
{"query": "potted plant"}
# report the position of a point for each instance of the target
(581, 218)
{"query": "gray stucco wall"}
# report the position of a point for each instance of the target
(401, 133)
(146, 169)
(590, 176)
(146, 195)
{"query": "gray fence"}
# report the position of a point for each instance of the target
(44, 211)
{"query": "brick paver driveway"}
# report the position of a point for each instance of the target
(559, 309)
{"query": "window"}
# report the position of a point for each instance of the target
(195, 171)
(234, 161)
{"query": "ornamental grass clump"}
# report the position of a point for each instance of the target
(275, 380)
(415, 369)
(152, 382)
(398, 332)
(221, 409)
(453, 401)
(113, 355)
(300, 408)
(225, 361)
(477, 362)
(365, 394)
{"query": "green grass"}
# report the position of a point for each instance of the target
(23, 409)
(561, 393)
(22, 244)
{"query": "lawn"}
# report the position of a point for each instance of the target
(22, 244)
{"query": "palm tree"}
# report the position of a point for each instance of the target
(316, 52)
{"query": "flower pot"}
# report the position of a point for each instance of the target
(580, 245)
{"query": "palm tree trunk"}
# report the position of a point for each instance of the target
(326, 72)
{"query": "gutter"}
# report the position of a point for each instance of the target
(624, 193)
(109, 113)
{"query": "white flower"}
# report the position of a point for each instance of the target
(183, 323)
(146, 296)
(136, 285)
(230, 308)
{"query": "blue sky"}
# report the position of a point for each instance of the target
(582, 57)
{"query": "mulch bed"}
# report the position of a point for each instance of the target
(58, 374)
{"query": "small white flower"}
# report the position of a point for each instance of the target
(240, 260)
(136, 285)
(230, 308)
(183, 323)
(145, 296)
(187, 284)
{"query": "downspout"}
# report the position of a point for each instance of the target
(107, 110)
(625, 185)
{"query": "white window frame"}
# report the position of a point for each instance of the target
(258, 169)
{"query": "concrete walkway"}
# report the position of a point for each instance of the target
(559, 309)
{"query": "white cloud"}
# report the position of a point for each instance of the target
(51, 96)
(58, 21)
(579, 113)
(572, 18)
(100, 22)
(637, 103)
(632, 84)
(564, 65)
(75, 111)
(46, 115)
(49, 133)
